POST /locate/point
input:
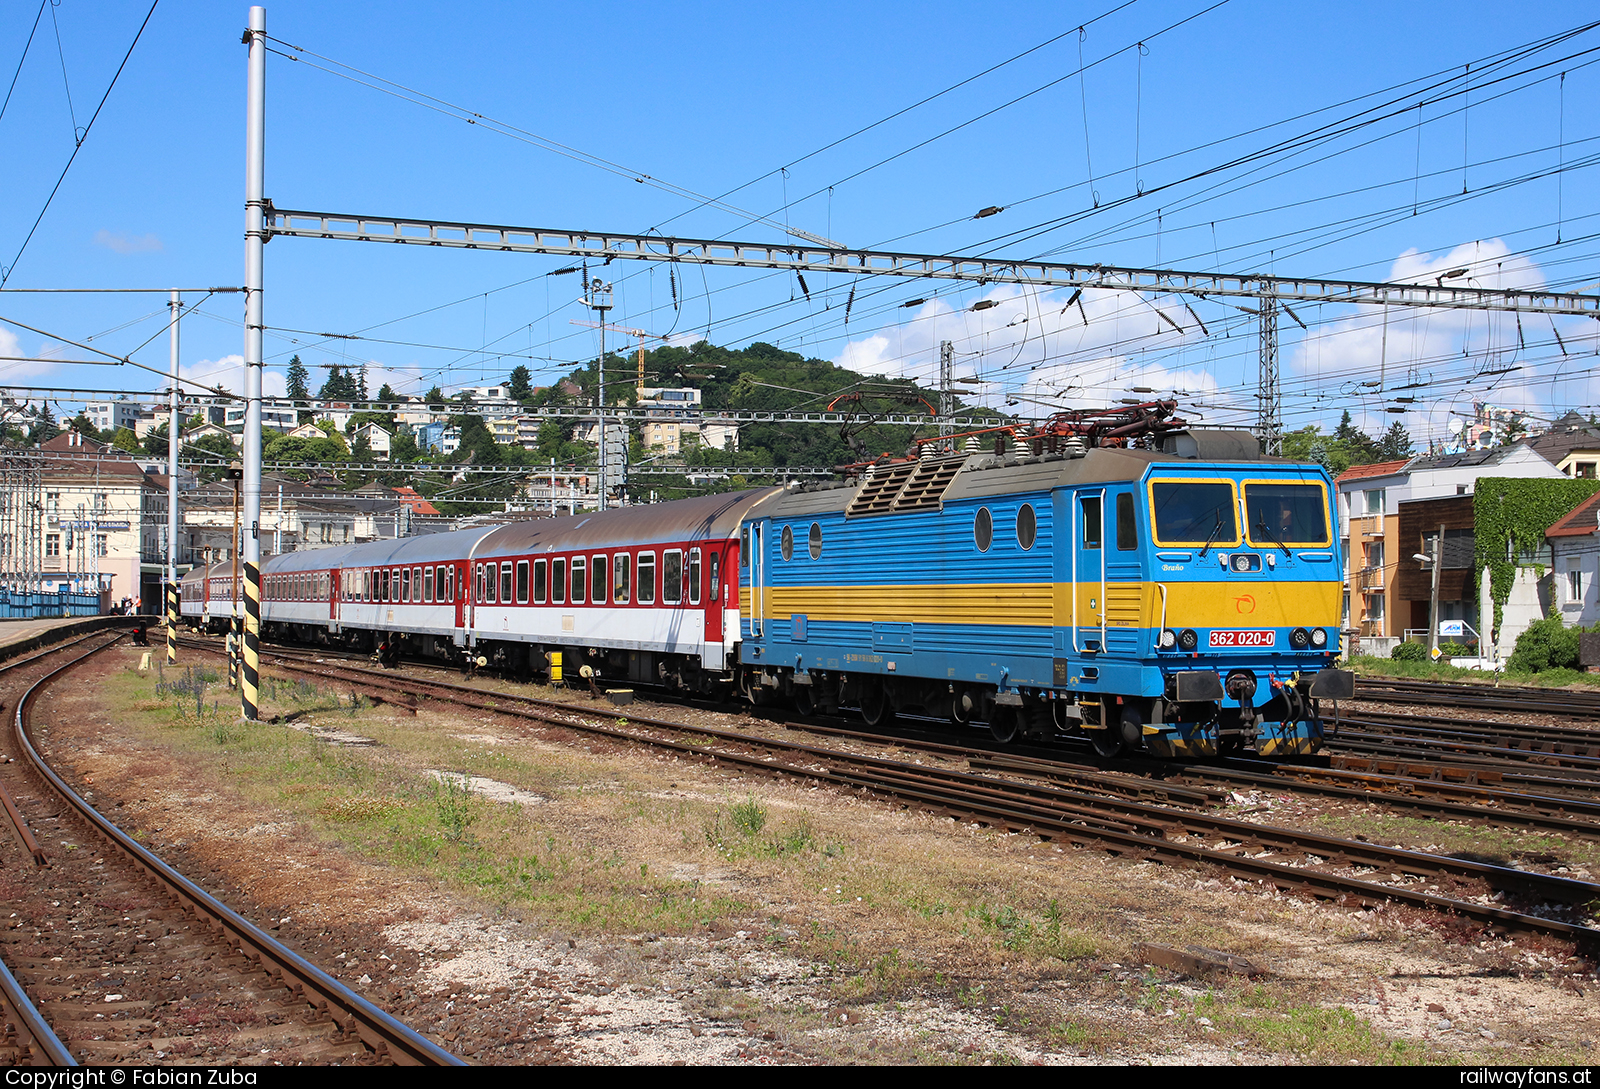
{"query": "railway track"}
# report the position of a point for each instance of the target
(1177, 830)
(114, 956)
(1521, 699)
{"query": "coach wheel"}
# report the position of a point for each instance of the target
(1003, 725)
(805, 700)
(876, 709)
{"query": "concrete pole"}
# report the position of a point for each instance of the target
(1433, 605)
(174, 425)
(255, 184)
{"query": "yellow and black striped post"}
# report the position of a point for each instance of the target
(172, 623)
(250, 690)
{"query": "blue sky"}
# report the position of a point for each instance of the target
(708, 97)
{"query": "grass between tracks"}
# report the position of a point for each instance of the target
(886, 907)
(1368, 666)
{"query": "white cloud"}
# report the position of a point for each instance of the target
(122, 242)
(228, 373)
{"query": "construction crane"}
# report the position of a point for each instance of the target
(640, 333)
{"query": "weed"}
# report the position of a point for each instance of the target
(453, 800)
(749, 816)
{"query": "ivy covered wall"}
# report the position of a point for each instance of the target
(1510, 516)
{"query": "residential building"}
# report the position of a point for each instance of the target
(105, 521)
(1369, 505)
(1575, 564)
(1572, 445)
(114, 415)
(379, 441)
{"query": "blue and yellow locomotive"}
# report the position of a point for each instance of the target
(1184, 601)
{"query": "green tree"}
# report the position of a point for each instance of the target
(125, 439)
(520, 385)
(155, 441)
(340, 386)
(44, 425)
(213, 446)
(298, 382)
(1395, 444)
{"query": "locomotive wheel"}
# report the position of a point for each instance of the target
(1003, 725)
(1107, 742)
(876, 710)
(805, 700)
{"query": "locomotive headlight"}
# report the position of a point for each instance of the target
(1168, 640)
(1241, 562)
(1319, 638)
(1300, 639)
(1188, 639)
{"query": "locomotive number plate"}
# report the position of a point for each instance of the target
(1245, 638)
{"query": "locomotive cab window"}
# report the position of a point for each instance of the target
(1027, 526)
(1194, 513)
(619, 578)
(983, 529)
(1284, 513)
(672, 576)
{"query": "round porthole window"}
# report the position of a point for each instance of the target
(1027, 526)
(983, 529)
(815, 541)
(787, 544)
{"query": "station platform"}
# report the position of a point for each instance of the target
(24, 636)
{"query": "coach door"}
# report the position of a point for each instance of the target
(712, 595)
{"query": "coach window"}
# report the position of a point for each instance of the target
(694, 576)
(558, 581)
(1127, 524)
(541, 581)
(647, 578)
(597, 580)
(479, 583)
(1027, 526)
(672, 577)
(522, 582)
(416, 584)
(786, 543)
(619, 578)
(505, 583)
(405, 584)
(366, 586)
(716, 577)
(983, 529)
(580, 585)
(394, 585)
(427, 585)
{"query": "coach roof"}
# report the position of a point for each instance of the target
(706, 517)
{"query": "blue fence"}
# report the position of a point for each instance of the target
(20, 605)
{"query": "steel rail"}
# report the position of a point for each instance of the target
(379, 1030)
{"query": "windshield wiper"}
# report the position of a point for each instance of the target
(1216, 529)
(1261, 524)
